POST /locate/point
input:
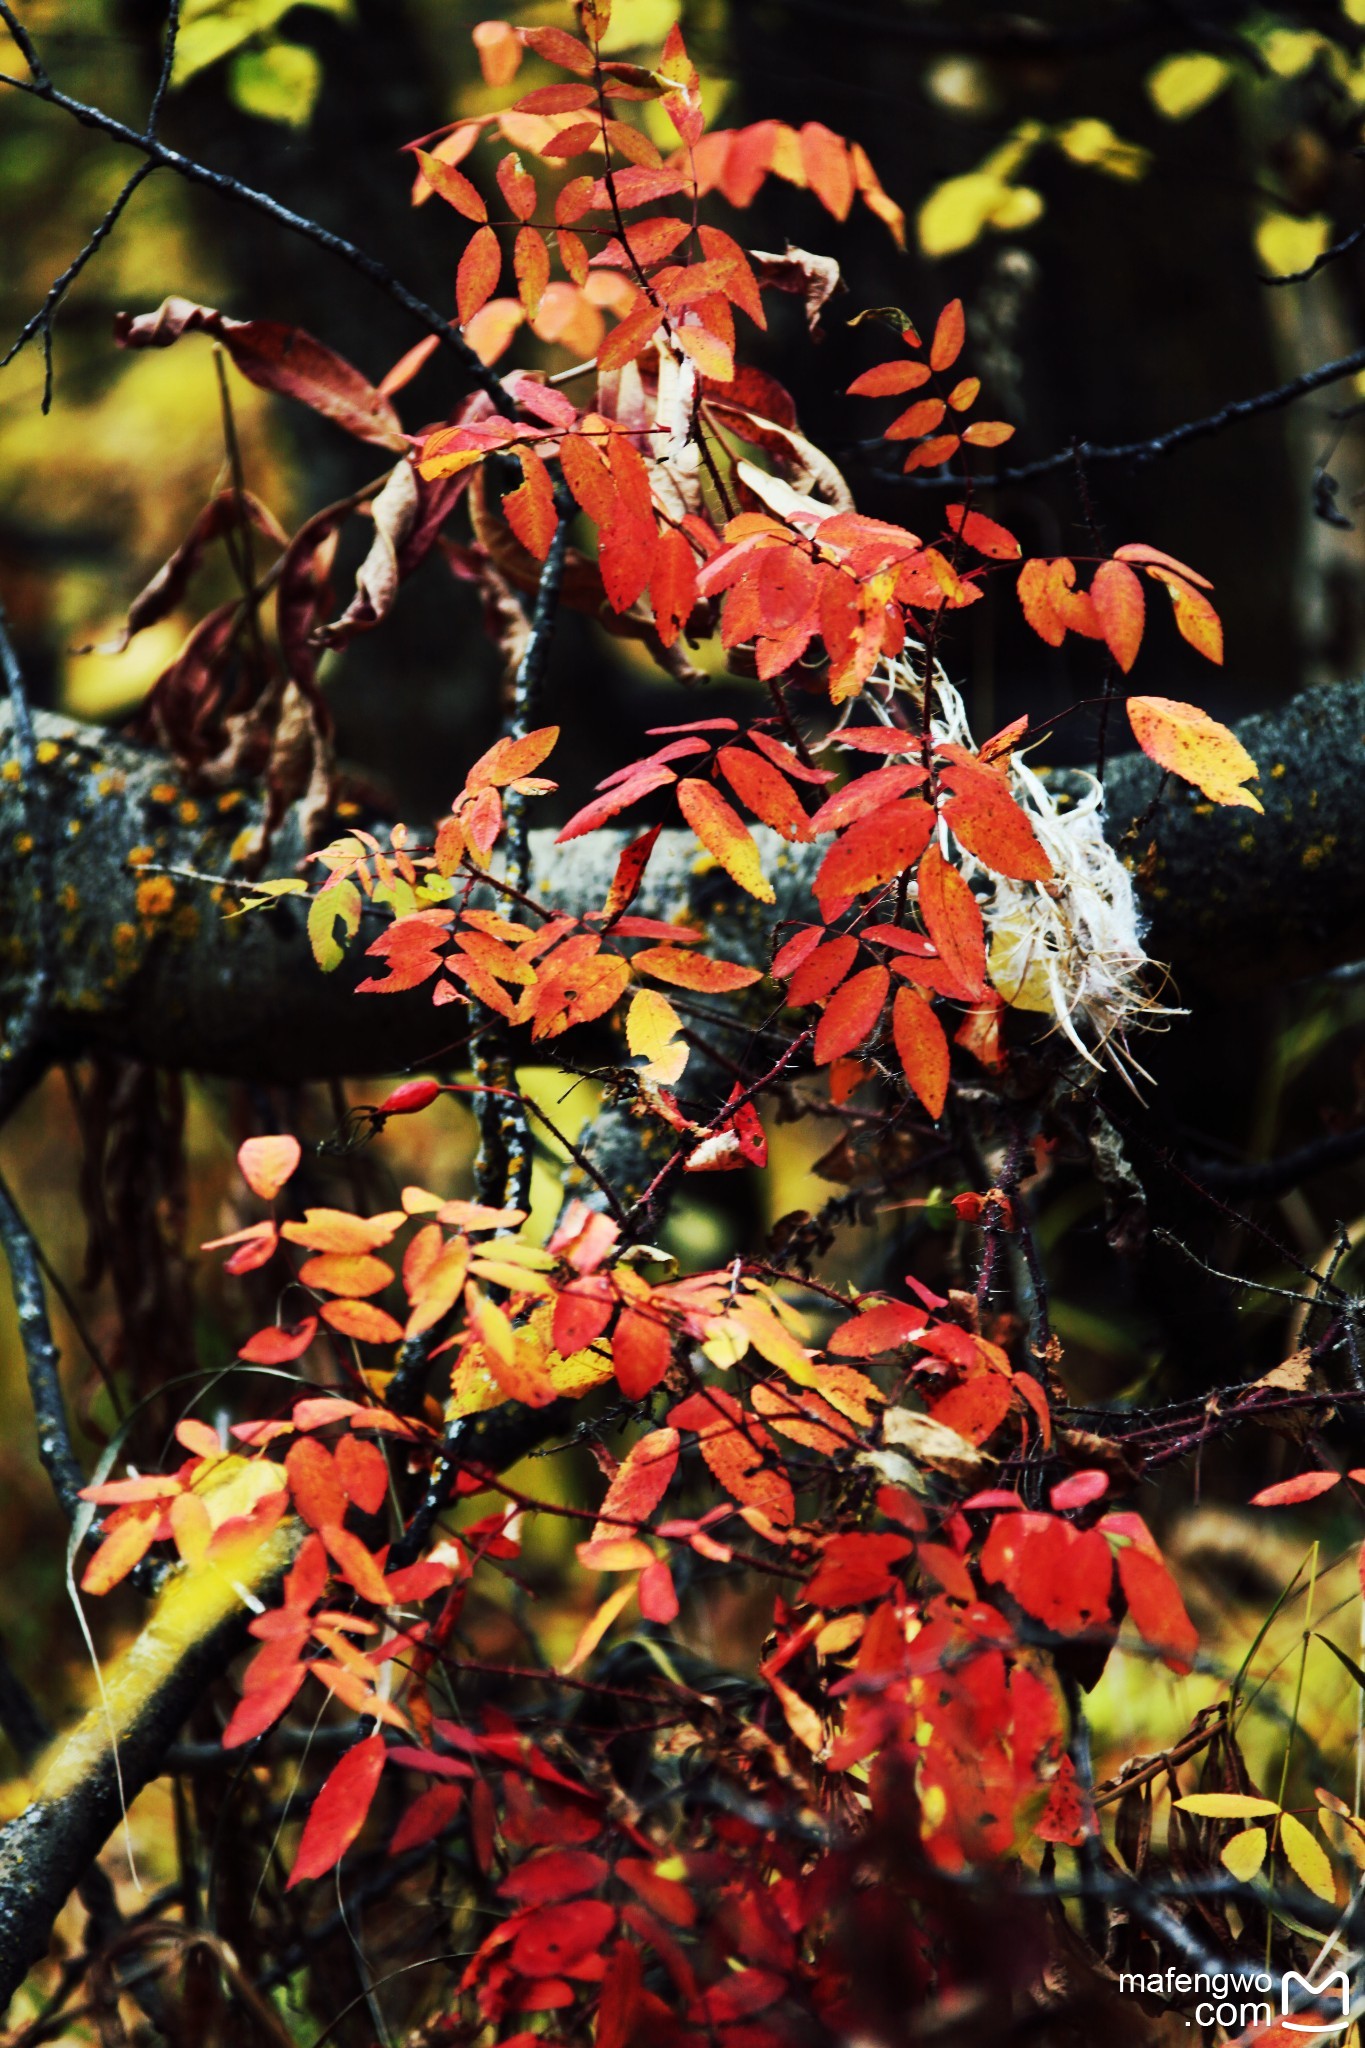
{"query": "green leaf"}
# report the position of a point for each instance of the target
(212, 29)
(279, 83)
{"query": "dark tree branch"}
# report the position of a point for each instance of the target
(1276, 1176)
(160, 157)
(1136, 452)
(41, 1356)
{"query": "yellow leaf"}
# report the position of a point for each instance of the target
(1225, 1805)
(802, 1718)
(1307, 1858)
(652, 1027)
(1244, 1854)
(1290, 51)
(1094, 143)
(1182, 85)
(1019, 207)
(1285, 245)
(952, 217)
(1186, 740)
(598, 1626)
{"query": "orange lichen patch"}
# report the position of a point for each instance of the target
(124, 937)
(11, 772)
(70, 898)
(73, 826)
(112, 782)
(155, 896)
(140, 856)
(230, 799)
(163, 792)
(23, 842)
(188, 812)
(46, 752)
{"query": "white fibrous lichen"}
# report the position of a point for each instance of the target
(1070, 946)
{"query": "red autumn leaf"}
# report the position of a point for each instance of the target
(821, 972)
(278, 358)
(1290, 1493)
(430, 1814)
(1116, 593)
(267, 1163)
(557, 1936)
(1146, 557)
(556, 1875)
(766, 791)
(530, 509)
(453, 186)
(361, 1469)
(1036, 600)
(641, 1352)
(479, 270)
(672, 584)
(625, 342)
(875, 1330)
(658, 1596)
(630, 872)
(920, 418)
(640, 1482)
(614, 800)
(950, 331)
(867, 793)
(952, 918)
(1158, 1612)
(315, 1484)
(1060, 1575)
(1195, 618)
(275, 1346)
(1069, 1815)
(725, 836)
(557, 46)
(829, 171)
(888, 380)
(339, 1811)
(922, 1048)
(991, 823)
(977, 1408)
(873, 851)
(680, 968)
(739, 1452)
(987, 536)
(1078, 1491)
(261, 1708)
(576, 992)
(856, 1567)
(851, 1014)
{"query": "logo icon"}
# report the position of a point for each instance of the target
(1297, 1992)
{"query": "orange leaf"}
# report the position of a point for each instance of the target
(681, 968)
(873, 851)
(766, 791)
(920, 418)
(990, 823)
(987, 536)
(949, 335)
(1116, 593)
(452, 185)
(672, 584)
(517, 186)
(276, 1346)
(639, 1484)
(363, 1321)
(829, 173)
(739, 1451)
(725, 836)
(851, 1015)
(267, 1163)
(641, 1352)
(557, 46)
(1289, 1493)
(625, 342)
(888, 380)
(478, 274)
(987, 433)
(127, 1543)
(1138, 551)
(1037, 602)
(499, 51)
(922, 1047)
(530, 509)
(1195, 618)
(821, 971)
(354, 1274)
(952, 918)
(577, 993)
(1187, 741)
(531, 265)
(340, 1810)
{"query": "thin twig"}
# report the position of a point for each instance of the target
(42, 1358)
